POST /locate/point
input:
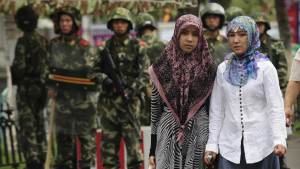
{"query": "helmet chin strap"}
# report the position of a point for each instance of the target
(121, 35)
(262, 34)
(70, 33)
(212, 28)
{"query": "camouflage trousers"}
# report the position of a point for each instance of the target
(32, 134)
(145, 117)
(75, 118)
(115, 125)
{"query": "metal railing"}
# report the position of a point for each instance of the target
(10, 152)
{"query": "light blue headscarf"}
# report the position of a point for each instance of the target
(240, 68)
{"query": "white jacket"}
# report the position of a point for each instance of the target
(254, 111)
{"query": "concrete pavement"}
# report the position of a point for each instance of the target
(293, 152)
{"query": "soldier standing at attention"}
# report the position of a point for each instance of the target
(75, 114)
(274, 49)
(145, 26)
(213, 17)
(27, 72)
(129, 57)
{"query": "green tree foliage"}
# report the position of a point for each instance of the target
(249, 6)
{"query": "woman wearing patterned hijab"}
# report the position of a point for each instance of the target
(246, 123)
(182, 79)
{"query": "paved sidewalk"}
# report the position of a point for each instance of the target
(293, 152)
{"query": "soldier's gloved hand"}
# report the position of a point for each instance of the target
(108, 83)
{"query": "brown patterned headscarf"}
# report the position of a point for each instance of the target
(184, 80)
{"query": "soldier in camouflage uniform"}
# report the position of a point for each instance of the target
(231, 13)
(213, 17)
(75, 113)
(129, 57)
(272, 47)
(145, 26)
(275, 50)
(27, 73)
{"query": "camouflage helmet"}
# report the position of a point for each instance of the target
(260, 17)
(54, 13)
(26, 18)
(73, 12)
(213, 8)
(120, 13)
(232, 13)
(143, 20)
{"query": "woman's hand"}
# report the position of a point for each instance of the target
(279, 150)
(213, 154)
(151, 162)
(52, 93)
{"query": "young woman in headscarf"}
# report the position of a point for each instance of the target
(246, 123)
(183, 78)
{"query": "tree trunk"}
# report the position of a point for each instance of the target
(284, 30)
(283, 23)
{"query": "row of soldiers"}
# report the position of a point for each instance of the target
(72, 68)
(66, 70)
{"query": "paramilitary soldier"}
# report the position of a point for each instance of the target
(71, 57)
(27, 73)
(213, 17)
(275, 50)
(116, 122)
(271, 47)
(145, 25)
(231, 13)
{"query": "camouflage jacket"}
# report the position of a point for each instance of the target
(30, 58)
(221, 51)
(274, 49)
(71, 55)
(154, 46)
(74, 55)
(212, 43)
(129, 56)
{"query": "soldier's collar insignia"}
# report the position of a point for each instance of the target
(83, 42)
(72, 42)
(99, 44)
(143, 43)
